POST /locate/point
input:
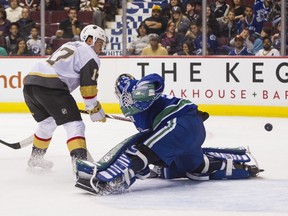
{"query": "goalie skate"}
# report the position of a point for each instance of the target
(253, 170)
(117, 186)
(39, 162)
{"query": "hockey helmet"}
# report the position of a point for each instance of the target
(121, 83)
(95, 32)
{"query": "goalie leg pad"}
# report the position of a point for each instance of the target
(119, 168)
(233, 162)
(237, 154)
(115, 152)
(85, 169)
(140, 163)
(118, 177)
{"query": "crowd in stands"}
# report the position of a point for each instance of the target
(20, 22)
(234, 27)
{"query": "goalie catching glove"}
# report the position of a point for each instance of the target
(97, 113)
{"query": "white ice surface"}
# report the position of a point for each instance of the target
(24, 192)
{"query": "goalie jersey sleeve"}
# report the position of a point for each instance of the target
(74, 64)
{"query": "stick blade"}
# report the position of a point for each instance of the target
(11, 145)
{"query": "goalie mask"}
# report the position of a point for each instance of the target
(121, 83)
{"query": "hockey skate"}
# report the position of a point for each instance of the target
(37, 161)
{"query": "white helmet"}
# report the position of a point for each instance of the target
(95, 31)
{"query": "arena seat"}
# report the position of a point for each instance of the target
(35, 15)
(59, 42)
(50, 29)
(222, 41)
(2, 41)
(58, 16)
(249, 2)
(85, 17)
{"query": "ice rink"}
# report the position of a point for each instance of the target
(24, 192)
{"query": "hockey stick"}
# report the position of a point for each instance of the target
(111, 116)
(19, 145)
(28, 141)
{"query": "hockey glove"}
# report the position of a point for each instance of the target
(97, 113)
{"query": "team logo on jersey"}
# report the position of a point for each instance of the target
(64, 111)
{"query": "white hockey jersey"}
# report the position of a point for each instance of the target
(73, 64)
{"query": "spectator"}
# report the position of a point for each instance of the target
(20, 49)
(69, 28)
(181, 22)
(4, 3)
(3, 51)
(156, 24)
(249, 21)
(258, 43)
(239, 49)
(110, 9)
(171, 40)
(50, 5)
(4, 23)
(245, 34)
(154, 49)
(33, 5)
(194, 35)
(141, 41)
(212, 22)
(34, 42)
(261, 10)
(25, 23)
(191, 11)
(212, 43)
(167, 8)
(239, 8)
(228, 25)
(276, 37)
(220, 9)
(68, 4)
(186, 49)
(11, 40)
(14, 11)
(275, 12)
(97, 6)
(49, 50)
(267, 50)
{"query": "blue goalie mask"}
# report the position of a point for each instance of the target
(121, 82)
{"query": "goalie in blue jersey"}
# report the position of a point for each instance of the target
(171, 134)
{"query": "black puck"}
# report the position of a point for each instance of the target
(268, 127)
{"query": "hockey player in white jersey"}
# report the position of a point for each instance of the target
(47, 91)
